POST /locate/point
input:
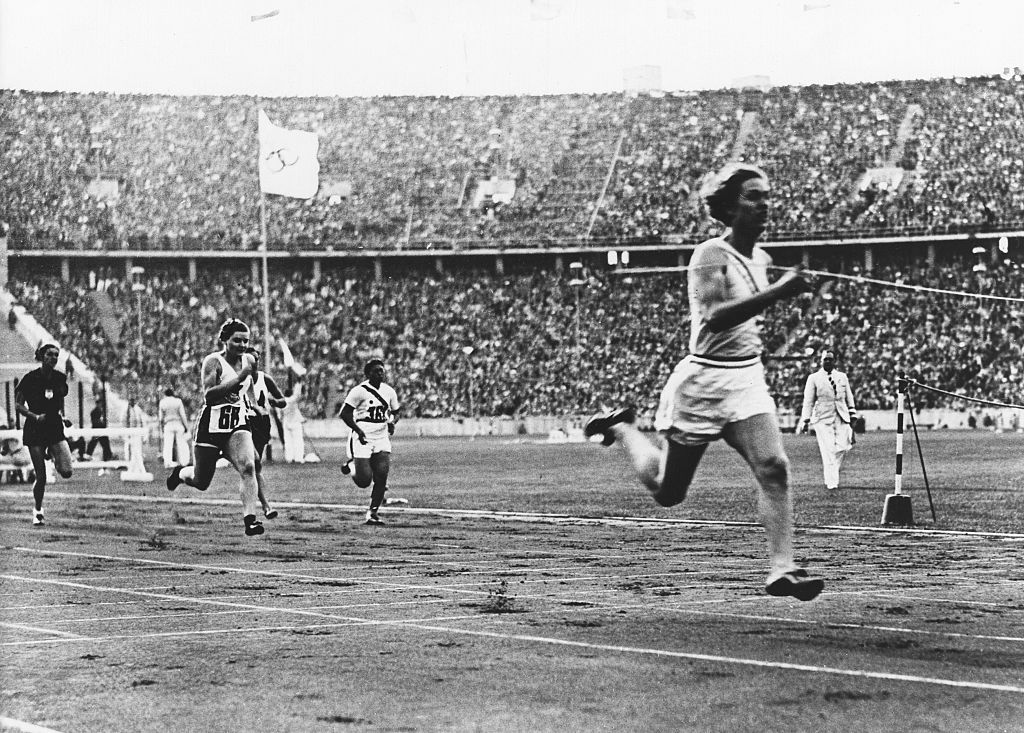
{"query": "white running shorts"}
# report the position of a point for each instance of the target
(373, 445)
(702, 396)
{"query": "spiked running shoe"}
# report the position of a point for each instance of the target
(372, 518)
(253, 526)
(174, 479)
(798, 584)
(37, 519)
(601, 423)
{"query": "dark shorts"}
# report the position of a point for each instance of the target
(43, 434)
(216, 426)
(260, 427)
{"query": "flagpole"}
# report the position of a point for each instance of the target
(266, 281)
(263, 224)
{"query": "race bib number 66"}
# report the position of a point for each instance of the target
(225, 418)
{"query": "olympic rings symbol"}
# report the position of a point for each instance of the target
(277, 160)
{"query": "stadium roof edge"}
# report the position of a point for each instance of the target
(392, 253)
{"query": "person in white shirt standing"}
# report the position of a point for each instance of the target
(829, 408)
(174, 426)
(133, 418)
(291, 421)
(371, 411)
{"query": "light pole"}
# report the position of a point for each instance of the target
(467, 350)
(137, 288)
(577, 281)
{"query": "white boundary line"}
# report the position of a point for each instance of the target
(357, 580)
(733, 660)
(425, 626)
(562, 598)
(23, 726)
(204, 602)
(40, 629)
(538, 517)
(360, 583)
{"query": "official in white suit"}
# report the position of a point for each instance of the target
(829, 408)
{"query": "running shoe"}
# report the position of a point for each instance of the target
(253, 526)
(796, 583)
(601, 423)
(174, 479)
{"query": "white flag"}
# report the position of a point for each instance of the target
(289, 360)
(288, 164)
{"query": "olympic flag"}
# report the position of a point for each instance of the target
(288, 164)
(289, 360)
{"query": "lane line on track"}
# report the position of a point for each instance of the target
(360, 580)
(189, 599)
(423, 625)
(536, 517)
(642, 651)
(42, 630)
(377, 582)
(887, 676)
(21, 725)
(686, 607)
(482, 591)
(219, 632)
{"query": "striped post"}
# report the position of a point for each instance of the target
(897, 509)
(900, 414)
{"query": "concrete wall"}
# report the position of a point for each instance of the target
(454, 427)
(1006, 419)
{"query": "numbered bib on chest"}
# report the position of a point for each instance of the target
(376, 413)
(226, 418)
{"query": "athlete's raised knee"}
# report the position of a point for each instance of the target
(772, 470)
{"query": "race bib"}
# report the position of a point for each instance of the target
(225, 418)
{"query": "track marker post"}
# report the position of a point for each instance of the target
(136, 470)
(920, 454)
(897, 508)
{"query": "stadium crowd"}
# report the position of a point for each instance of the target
(150, 172)
(533, 343)
(107, 171)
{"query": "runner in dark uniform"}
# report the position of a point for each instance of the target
(39, 398)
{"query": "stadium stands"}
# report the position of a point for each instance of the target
(102, 172)
(105, 171)
(528, 357)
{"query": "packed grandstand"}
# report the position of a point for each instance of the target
(894, 168)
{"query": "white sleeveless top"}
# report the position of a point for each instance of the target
(229, 412)
(259, 395)
(744, 276)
